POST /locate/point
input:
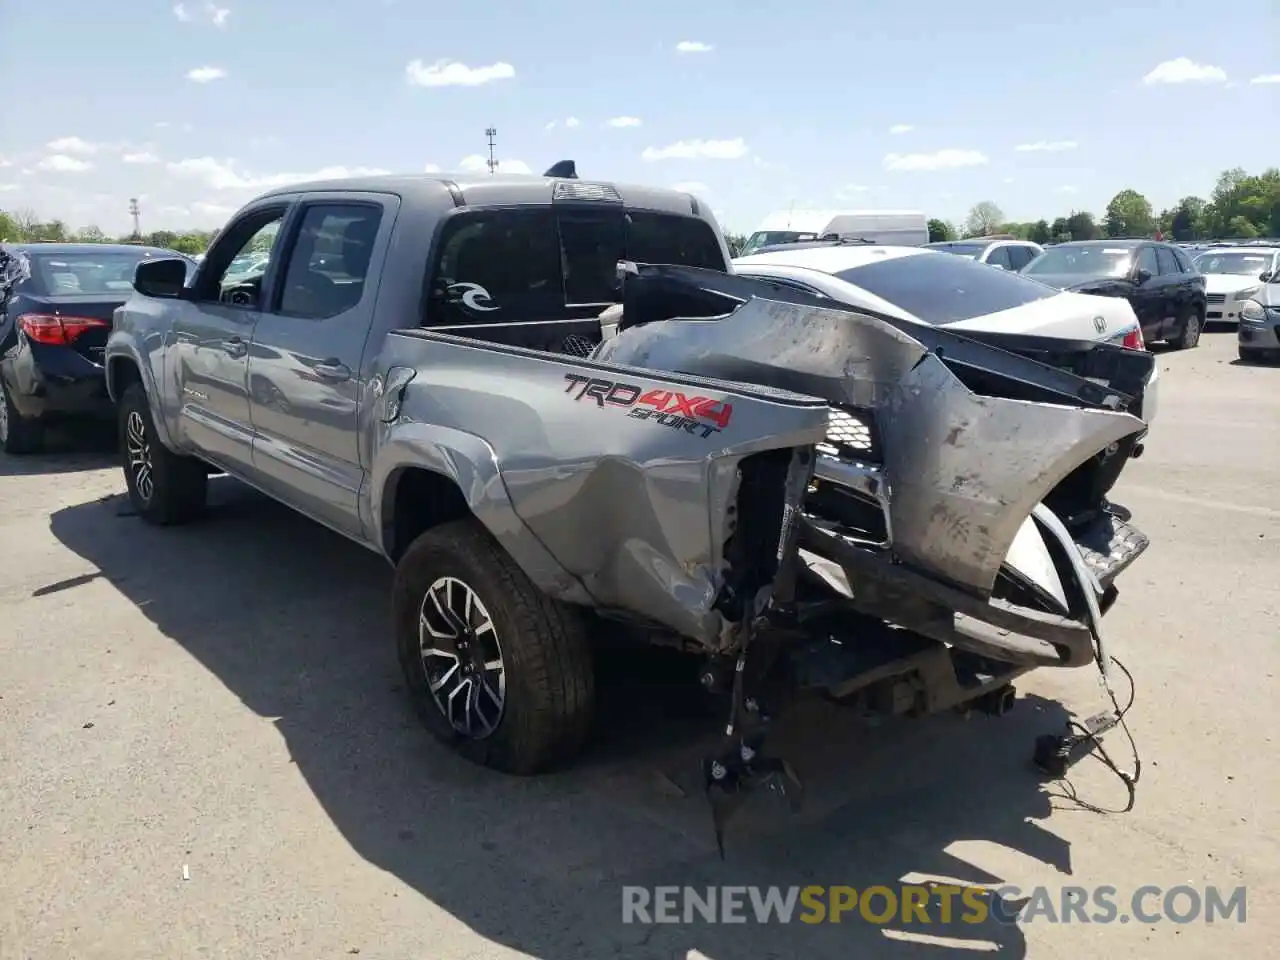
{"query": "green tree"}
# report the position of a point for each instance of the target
(735, 243)
(1039, 232)
(984, 218)
(90, 234)
(1081, 226)
(1242, 227)
(1128, 215)
(161, 238)
(190, 244)
(940, 230)
(10, 232)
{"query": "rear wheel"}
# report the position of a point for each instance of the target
(496, 669)
(1190, 329)
(18, 434)
(164, 487)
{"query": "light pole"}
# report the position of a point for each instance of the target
(135, 212)
(492, 133)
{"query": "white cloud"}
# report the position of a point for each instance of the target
(1266, 78)
(852, 191)
(693, 46)
(449, 73)
(61, 163)
(1008, 180)
(431, 168)
(624, 122)
(572, 122)
(141, 157)
(223, 175)
(5, 162)
(72, 145)
(211, 12)
(1046, 146)
(8, 187)
(551, 125)
(901, 128)
(478, 164)
(950, 159)
(1067, 188)
(699, 150)
(206, 74)
(1184, 70)
(692, 186)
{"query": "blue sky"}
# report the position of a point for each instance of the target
(196, 109)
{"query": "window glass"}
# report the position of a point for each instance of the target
(497, 265)
(1147, 261)
(329, 263)
(663, 238)
(239, 263)
(1020, 256)
(942, 290)
(1240, 264)
(593, 244)
(999, 257)
(1168, 263)
(86, 273)
(959, 249)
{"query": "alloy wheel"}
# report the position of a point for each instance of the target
(462, 658)
(138, 450)
(1193, 330)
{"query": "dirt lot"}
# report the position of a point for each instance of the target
(224, 699)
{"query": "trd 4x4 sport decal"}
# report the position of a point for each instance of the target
(700, 416)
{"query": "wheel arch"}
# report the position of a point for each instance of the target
(426, 475)
(123, 369)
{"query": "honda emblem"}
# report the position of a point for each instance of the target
(1099, 324)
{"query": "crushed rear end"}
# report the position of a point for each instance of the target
(956, 530)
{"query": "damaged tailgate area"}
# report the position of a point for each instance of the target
(958, 505)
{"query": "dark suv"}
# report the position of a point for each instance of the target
(1164, 287)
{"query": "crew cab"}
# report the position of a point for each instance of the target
(420, 365)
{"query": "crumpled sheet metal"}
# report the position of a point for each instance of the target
(964, 470)
(14, 268)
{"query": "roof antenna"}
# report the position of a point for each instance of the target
(565, 170)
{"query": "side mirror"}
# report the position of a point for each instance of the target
(1142, 276)
(1266, 276)
(165, 278)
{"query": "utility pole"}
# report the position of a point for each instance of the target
(492, 133)
(135, 212)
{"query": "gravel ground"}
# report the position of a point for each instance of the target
(205, 749)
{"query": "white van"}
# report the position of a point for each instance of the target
(902, 228)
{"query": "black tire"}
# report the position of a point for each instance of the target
(549, 698)
(165, 488)
(18, 434)
(1249, 355)
(1190, 329)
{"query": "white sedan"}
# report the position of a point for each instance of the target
(929, 287)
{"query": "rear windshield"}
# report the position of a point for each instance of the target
(959, 249)
(941, 290)
(84, 273)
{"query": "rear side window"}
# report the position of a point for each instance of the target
(497, 265)
(944, 289)
(1168, 262)
(999, 257)
(327, 268)
(662, 238)
(1020, 256)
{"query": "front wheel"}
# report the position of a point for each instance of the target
(164, 487)
(496, 669)
(1191, 327)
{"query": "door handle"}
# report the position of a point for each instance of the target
(332, 369)
(235, 347)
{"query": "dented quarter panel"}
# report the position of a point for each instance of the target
(628, 501)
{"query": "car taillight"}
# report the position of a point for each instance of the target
(1133, 340)
(57, 330)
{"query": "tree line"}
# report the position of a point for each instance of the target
(1242, 206)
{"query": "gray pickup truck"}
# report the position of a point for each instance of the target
(553, 408)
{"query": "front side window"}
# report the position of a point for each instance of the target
(235, 269)
(941, 290)
(999, 257)
(1147, 261)
(1168, 262)
(329, 263)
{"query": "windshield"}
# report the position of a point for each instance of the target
(941, 290)
(970, 250)
(1238, 264)
(1090, 261)
(84, 273)
(765, 238)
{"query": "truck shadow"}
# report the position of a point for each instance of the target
(69, 448)
(539, 864)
